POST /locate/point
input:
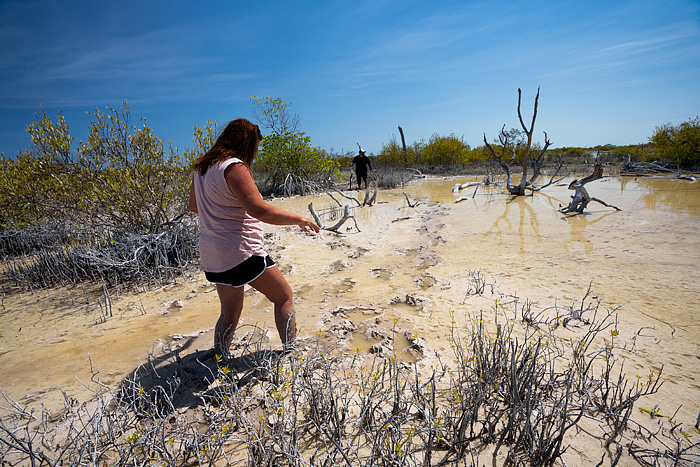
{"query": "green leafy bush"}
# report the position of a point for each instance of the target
(678, 143)
(120, 178)
(287, 160)
(437, 151)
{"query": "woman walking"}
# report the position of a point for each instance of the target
(231, 215)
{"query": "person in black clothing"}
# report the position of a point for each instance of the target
(361, 162)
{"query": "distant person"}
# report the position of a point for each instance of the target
(231, 215)
(361, 162)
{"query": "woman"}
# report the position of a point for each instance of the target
(231, 213)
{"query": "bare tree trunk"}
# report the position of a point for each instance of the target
(526, 155)
(403, 143)
(580, 199)
(503, 137)
(504, 140)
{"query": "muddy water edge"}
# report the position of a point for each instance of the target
(409, 268)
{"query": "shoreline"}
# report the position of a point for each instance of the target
(367, 270)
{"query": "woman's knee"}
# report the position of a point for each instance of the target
(284, 297)
(274, 286)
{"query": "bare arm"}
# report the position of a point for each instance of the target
(193, 199)
(242, 185)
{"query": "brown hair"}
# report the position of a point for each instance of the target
(239, 139)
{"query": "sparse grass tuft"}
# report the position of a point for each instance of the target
(511, 391)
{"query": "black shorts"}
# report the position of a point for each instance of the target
(243, 274)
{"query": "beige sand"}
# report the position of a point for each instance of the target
(643, 259)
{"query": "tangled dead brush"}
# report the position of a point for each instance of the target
(511, 393)
(118, 260)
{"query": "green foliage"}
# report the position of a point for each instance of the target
(478, 154)
(120, 178)
(391, 153)
(291, 153)
(438, 151)
(287, 153)
(445, 150)
(678, 143)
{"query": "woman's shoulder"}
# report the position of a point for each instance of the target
(226, 162)
(224, 165)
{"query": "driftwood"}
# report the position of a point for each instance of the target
(337, 225)
(370, 197)
(460, 186)
(580, 199)
(357, 201)
(462, 198)
(408, 201)
(418, 173)
(652, 168)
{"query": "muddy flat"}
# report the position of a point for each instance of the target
(415, 268)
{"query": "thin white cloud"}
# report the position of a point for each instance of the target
(671, 35)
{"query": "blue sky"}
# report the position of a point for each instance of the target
(609, 71)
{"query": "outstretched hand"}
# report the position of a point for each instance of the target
(308, 224)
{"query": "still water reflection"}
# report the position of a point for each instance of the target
(644, 259)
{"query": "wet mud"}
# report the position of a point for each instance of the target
(399, 283)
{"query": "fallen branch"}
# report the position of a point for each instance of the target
(418, 174)
(344, 196)
(337, 225)
(580, 200)
(462, 198)
(410, 205)
(460, 186)
(644, 168)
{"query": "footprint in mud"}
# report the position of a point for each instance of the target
(428, 262)
(381, 273)
(337, 266)
(366, 332)
(343, 286)
(437, 240)
(335, 245)
(412, 303)
(425, 261)
(303, 290)
(357, 253)
(167, 307)
(409, 252)
(425, 281)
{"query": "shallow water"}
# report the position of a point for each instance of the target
(643, 259)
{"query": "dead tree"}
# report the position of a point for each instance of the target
(403, 143)
(580, 199)
(509, 147)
